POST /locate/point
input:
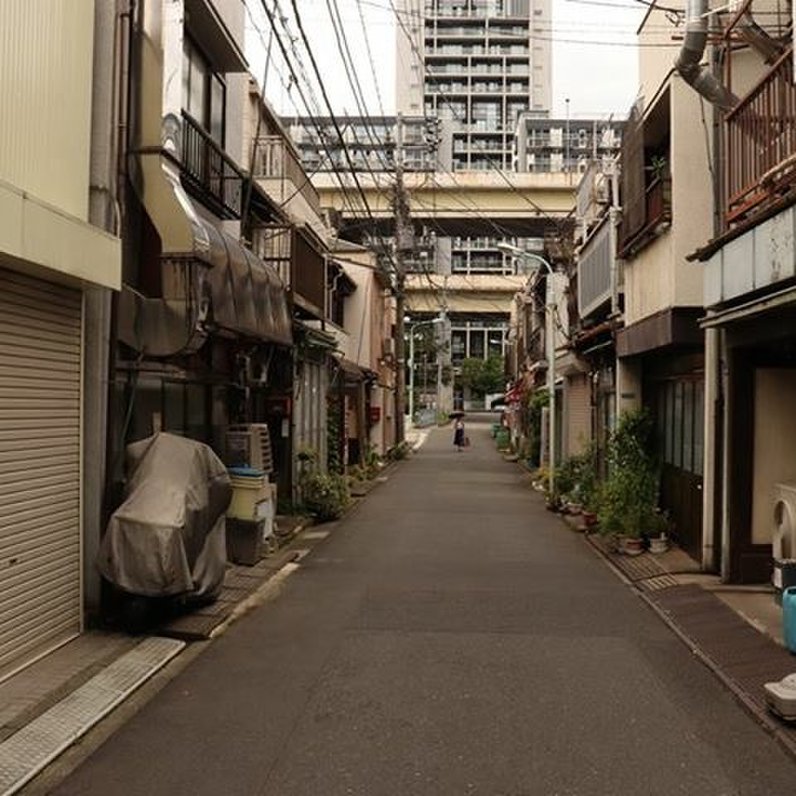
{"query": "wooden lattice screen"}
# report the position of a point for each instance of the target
(633, 186)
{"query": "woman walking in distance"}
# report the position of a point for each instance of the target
(458, 434)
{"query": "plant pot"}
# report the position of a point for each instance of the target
(659, 545)
(632, 546)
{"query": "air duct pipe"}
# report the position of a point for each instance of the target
(689, 61)
(756, 37)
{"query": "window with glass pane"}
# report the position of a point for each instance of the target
(660, 420)
(217, 94)
(477, 347)
(495, 343)
(196, 82)
(688, 426)
(458, 344)
(204, 93)
(677, 425)
(669, 448)
(699, 427)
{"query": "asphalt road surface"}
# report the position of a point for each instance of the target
(449, 637)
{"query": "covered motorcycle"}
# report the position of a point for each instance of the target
(167, 539)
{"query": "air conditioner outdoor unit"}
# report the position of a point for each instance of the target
(249, 446)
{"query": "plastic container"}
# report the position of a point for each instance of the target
(248, 490)
(789, 617)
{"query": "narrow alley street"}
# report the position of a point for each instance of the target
(449, 636)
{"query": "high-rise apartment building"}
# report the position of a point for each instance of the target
(479, 62)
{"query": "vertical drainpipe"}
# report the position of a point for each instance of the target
(710, 473)
(706, 81)
(615, 213)
(726, 408)
(103, 213)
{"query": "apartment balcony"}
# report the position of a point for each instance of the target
(299, 261)
(458, 32)
(645, 217)
(208, 173)
(760, 135)
(488, 88)
(596, 270)
(281, 174)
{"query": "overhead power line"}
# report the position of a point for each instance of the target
(333, 118)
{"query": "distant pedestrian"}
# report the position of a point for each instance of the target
(459, 440)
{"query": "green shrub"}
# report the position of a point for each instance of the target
(627, 499)
(399, 451)
(586, 476)
(373, 463)
(324, 495)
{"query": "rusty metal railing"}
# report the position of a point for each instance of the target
(760, 143)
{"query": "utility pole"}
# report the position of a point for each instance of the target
(403, 234)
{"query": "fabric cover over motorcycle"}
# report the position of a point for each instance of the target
(168, 537)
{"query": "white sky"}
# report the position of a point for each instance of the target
(594, 55)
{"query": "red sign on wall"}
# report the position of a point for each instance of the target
(374, 414)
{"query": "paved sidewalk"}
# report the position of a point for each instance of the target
(717, 623)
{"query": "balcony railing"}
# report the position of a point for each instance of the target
(274, 159)
(595, 271)
(657, 211)
(208, 172)
(299, 263)
(761, 143)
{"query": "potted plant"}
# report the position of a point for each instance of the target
(659, 539)
(325, 495)
(628, 497)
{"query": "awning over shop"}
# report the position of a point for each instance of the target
(354, 373)
(780, 300)
(209, 279)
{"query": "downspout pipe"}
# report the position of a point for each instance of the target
(689, 61)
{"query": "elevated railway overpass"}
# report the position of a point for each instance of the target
(472, 203)
(478, 303)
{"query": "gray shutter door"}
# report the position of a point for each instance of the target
(40, 374)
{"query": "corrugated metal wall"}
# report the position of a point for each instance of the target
(578, 414)
(46, 52)
(40, 388)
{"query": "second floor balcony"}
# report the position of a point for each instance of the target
(646, 215)
(760, 136)
(208, 172)
(276, 164)
(299, 261)
(596, 270)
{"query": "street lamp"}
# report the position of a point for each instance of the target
(550, 307)
(412, 327)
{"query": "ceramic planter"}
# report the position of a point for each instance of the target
(632, 546)
(659, 545)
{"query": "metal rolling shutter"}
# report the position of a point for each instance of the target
(40, 374)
